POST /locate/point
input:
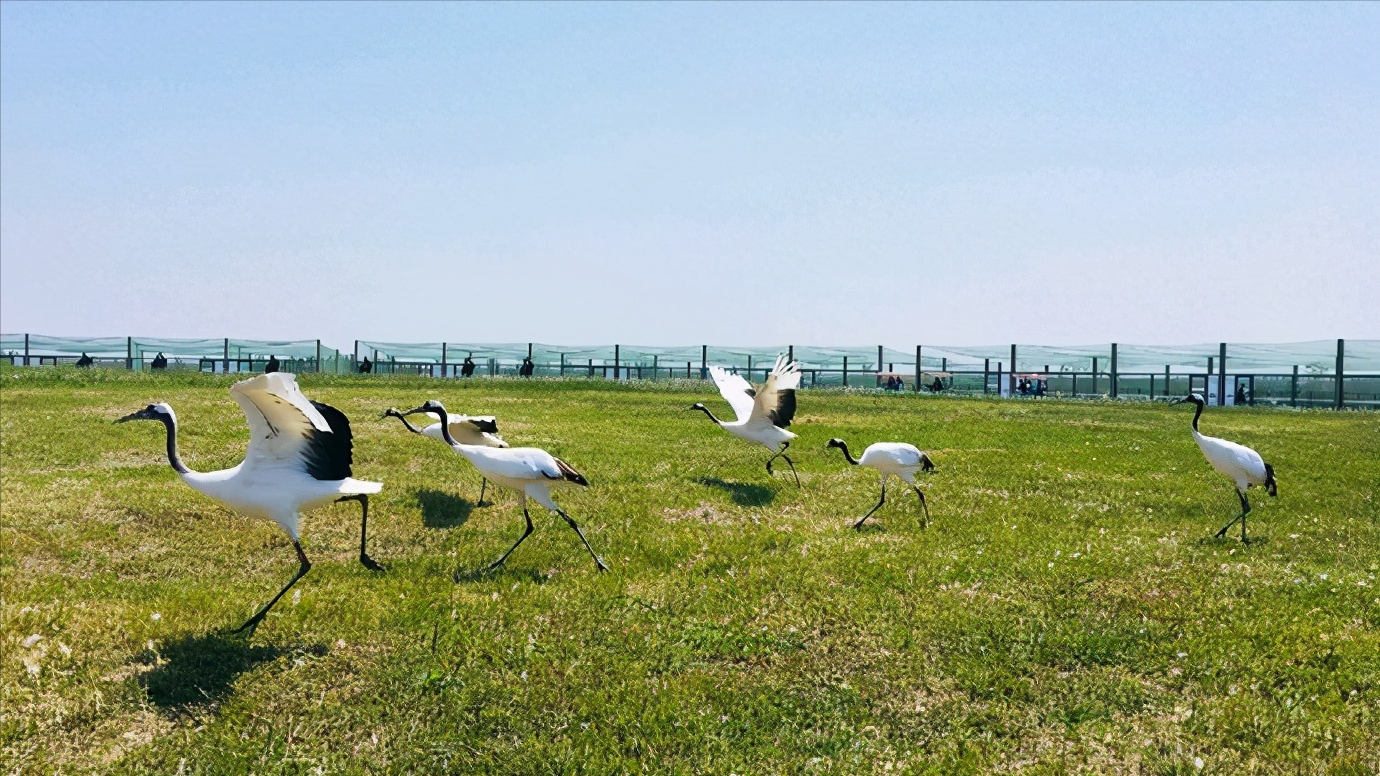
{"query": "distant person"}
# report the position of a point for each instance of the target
(272, 365)
(1041, 387)
(160, 361)
(467, 368)
(1240, 393)
(85, 360)
(366, 366)
(527, 366)
(937, 385)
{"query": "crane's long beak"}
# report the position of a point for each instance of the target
(415, 411)
(140, 415)
(391, 412)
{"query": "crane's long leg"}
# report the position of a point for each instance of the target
(782, 454)
(253, 622)
(858, 525)
(571, 522)
(921, 494)
(1245, 510)
(483, 483)
(363, 499)
(525, 534)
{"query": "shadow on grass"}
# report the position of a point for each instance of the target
(199, 670)
(743, 495)
(443, 510)
(482, 573)
(1232, 539)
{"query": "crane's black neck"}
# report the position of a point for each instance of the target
(445, 426)
(1197, 411)
(706, 411)
(410, 427)
(171, 426)
(844, 447)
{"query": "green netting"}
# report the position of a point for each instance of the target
(244, 355)
(823, 365)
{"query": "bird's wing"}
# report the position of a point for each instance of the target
(1238, 462)
(286, 428)
(516, 463)
(476, 430)
(736, 391)
(776, 399)
(903, 453)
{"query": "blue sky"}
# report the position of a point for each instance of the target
(728, 173)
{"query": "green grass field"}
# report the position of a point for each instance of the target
(1066, 611)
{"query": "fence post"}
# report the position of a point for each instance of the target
(1114, 389)
(845, 371)
(1011, 389)
(1094, 376)
(318, 356)
(1341, 356)
(562, 364)
(916, 386)
(1294, 388)
(1152, 386)
(1222, 375)
(999, 380)
(879, 358)
(129, 353)
(790, 352)
(26, 350)
(1166, 380)
(227, 355)
(704, 361)
(654, 367)
(444, 359)
(986, 367)
(749, 369)
(615, 363)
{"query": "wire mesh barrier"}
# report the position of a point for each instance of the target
(147, 353)
(1326, 373)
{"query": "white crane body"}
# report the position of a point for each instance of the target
(530, 471)
(1238, 463)
(898, 459)
(893, 458)
(299, 458)
(762, 412)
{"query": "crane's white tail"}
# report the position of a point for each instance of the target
(1270, 486)
(569, 473)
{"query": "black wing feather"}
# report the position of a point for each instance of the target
(485, 425)
(785, 409)
(328, 455)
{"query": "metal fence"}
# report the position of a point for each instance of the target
(1320, 373)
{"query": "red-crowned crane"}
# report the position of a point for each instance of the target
(763, 411)
(890, 458)
(299, 458)
(1238, 463)
(529, 471)
(466, 429)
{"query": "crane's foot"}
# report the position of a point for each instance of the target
(370, 563)
(1223, 532)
